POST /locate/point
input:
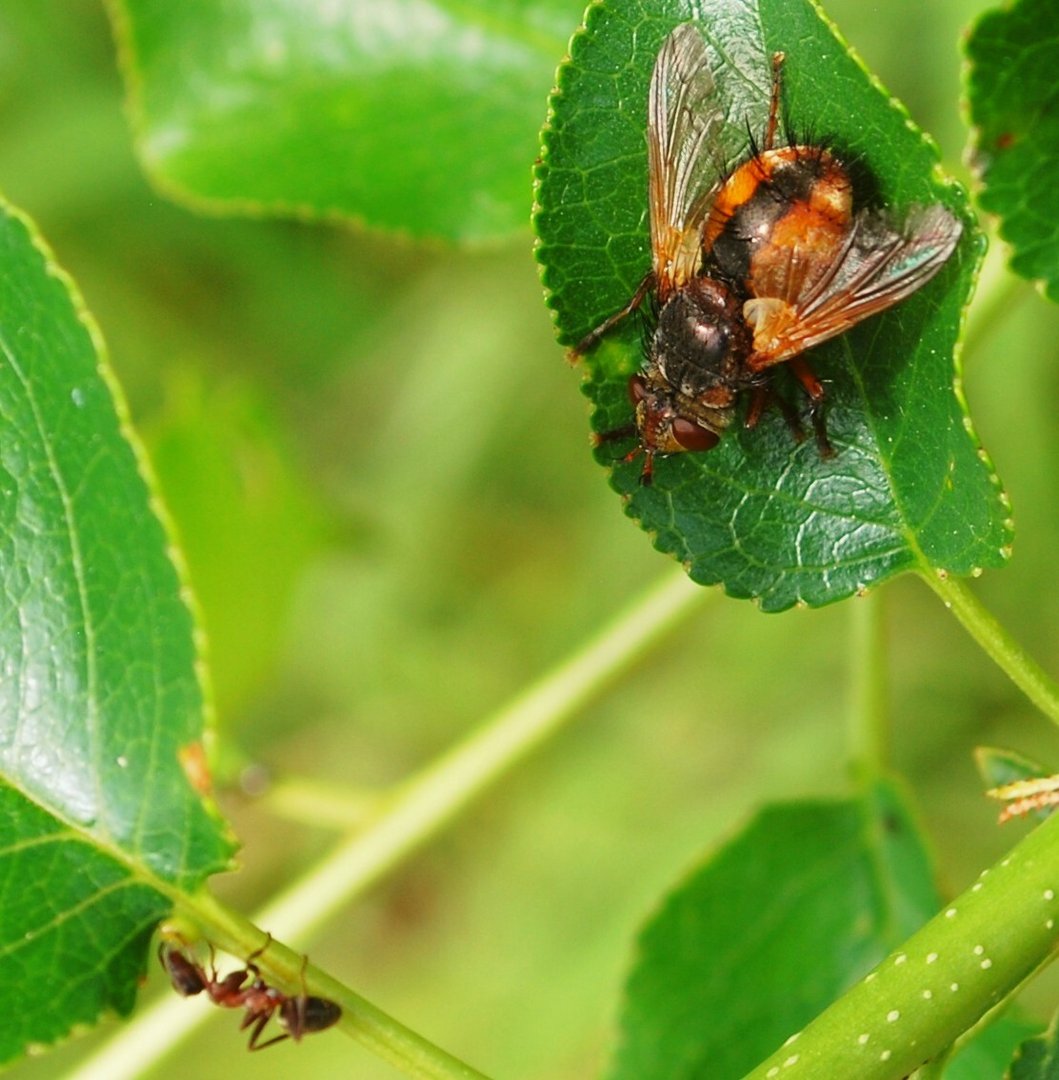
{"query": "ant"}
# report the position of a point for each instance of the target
(299, 1015)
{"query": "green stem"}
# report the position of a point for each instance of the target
(940, 981)
(427, 802)
(418, 810)
(1005, 651)
(321, 803)
(934, 1069)
(869, 699)
(379, 1032)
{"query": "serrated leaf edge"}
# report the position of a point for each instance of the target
(941, 178)
(173, 550)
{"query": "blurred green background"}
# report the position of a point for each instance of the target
(378, 463)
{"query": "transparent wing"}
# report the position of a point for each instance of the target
(684, 121)
(877, 266)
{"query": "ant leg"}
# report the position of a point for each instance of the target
(227, 992)
(265, 1045)
(774, 100)
(295, 1021)
(593, 338)
(257, 952)
(305, 1013)
(221, 990)
(259, 1023)
(213, 961)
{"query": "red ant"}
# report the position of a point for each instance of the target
(299, 1015)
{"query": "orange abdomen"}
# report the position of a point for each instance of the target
(778, 219)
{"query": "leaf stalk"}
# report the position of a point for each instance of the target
(997, 642)
(413, 813)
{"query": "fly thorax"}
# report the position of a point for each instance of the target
(698, 344)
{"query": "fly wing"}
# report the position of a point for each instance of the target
(684, 121)
(877, 266)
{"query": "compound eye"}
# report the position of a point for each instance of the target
(693, 436)
(637, 389)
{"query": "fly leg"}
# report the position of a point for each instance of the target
(764, 396)
(813, 387)
(626, 431)
(593, 337)
(774, 100)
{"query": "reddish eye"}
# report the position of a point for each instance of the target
(693, 437)
(637, 389)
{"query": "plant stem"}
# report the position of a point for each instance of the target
(869, 699)
(416, 811)
(934, 1069)
(424, 804)
(969, 957)
(1005, 651)
(379, 1032)
(321, 803)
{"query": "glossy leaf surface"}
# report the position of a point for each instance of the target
(407, 115)
(760, 939)
(943, 981)
(763, 515)
(989, 1052)
(805, 900)
(102, 702)
(1012, 92)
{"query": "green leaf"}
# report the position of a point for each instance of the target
(998, 766)
(101, 696)
(764, 516)
(986, 1055)
(1025, 786)
(769, 931)
(420, 118)
(1038, 1058)
(944, 979)
(1013, 94)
